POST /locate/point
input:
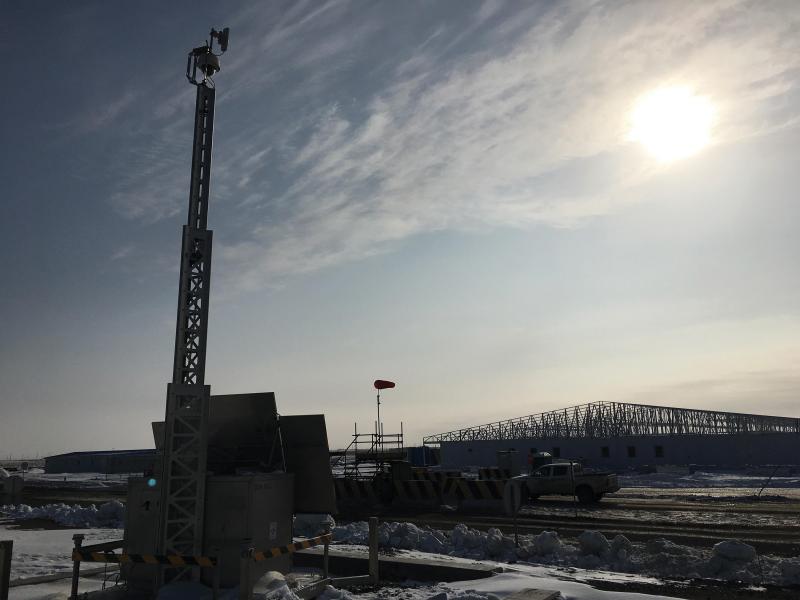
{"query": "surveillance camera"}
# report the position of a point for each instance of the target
(208, 64)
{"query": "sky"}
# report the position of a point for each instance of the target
(444, 194)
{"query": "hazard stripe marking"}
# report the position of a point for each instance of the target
(150, 559)
(416, 490)
(354, 489)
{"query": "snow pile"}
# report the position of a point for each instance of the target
(353, 533)
(728, 560)
(462, 541)
(109, 515)
(412, 591)
(272, 586)
(403, 536)
(310, 525)
(735, 550)
(731, 560)
(546, 543)
(594, 543)
(183, 590)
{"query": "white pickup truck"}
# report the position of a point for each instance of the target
(568, 479)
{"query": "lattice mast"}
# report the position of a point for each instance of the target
(186, 435)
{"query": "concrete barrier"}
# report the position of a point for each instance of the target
(355, 491)
(417, 493)
(467, 493)
(424, 474)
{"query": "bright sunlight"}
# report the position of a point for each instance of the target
(672, 122)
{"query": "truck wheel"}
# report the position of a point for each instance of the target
(585, 494)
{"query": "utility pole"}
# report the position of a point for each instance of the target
(183, 471)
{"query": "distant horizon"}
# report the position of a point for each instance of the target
(90, 450)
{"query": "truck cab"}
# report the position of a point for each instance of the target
(567, 478)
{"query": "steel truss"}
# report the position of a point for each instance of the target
(185, 447)
(616, 419)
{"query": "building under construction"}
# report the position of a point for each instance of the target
(619, 435)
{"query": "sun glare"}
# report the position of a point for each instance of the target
(672, 122)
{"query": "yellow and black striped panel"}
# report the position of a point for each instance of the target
(293, 547)
(413, 490)
(422, 474)
(474, 489)
(493, 473)
(450, 487)
(148, 559)
(354, 489)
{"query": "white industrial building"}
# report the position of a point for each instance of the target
(620, 436)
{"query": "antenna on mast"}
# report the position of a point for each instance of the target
(205, 60)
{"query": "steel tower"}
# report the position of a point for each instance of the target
(184, 457)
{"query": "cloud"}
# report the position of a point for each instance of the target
(738, 392)
(360, 148)
(106, 115)
(122, 252)
(149, 172)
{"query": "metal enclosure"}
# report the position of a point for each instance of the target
(141, 532)
(255, 511)
(305, 444)
(241, 419)
(240, 510)
(243, 433)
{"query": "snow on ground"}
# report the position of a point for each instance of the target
(704, 480)
(108, 515)
(525, 576)
(56, 590)
(544, 561)
(670, 517)
(727, 560)
(572, 586)
(711, 494)
(43, 552)
(38, 478)
(275, 587)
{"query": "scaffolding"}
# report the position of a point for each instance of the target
(368, 454)
(617, 419)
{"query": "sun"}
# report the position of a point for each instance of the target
(672, 122)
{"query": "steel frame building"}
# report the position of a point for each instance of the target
(618, 419)
(616, 435)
